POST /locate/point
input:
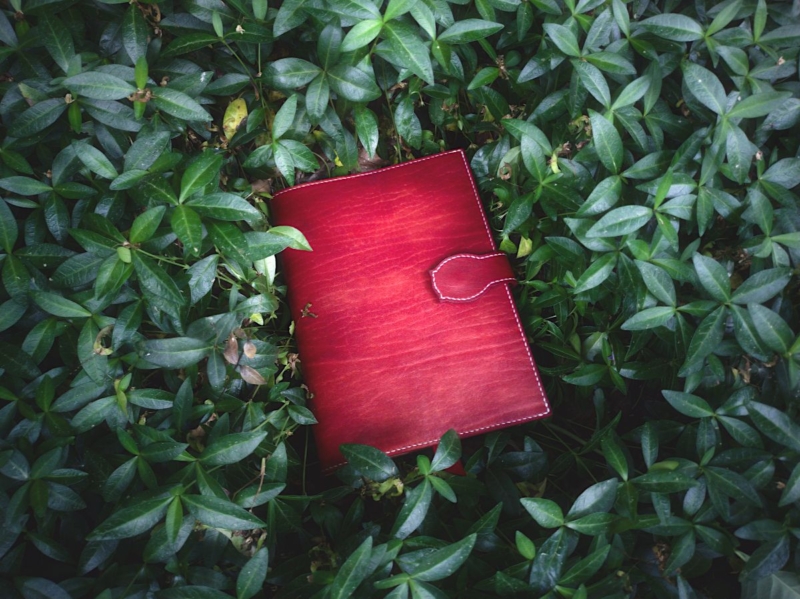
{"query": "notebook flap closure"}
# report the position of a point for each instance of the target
(465, 277)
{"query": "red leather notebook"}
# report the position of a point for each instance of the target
(404, 320)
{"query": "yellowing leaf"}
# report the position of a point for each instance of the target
(234, 115)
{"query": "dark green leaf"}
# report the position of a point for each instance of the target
(177, 352)
(414, 510)
(131, 521)
(772, 329)
(547, 513)
(100, 86)
(179, 105)
(369, 462)
(447, 452)
(37, 118)
(231, 448)
(606, 141)
(353, 571)
(469, 30)
(409, 49)
(252, 575)
(220, 513)
(675, 27)
(775, 424)
(353, 84)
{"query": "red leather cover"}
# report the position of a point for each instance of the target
(393, 361)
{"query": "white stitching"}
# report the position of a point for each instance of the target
(471, 257)
(508, 293)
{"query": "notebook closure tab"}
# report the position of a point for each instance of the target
(465, 277)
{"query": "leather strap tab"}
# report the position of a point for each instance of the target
(465, 277)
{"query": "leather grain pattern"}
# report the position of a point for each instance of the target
(387, 362)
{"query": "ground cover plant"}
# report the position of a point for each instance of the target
(639, 162)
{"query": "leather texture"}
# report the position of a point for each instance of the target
(389, 361)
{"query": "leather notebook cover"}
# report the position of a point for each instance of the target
(404, 320)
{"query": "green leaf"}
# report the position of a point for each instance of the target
(713, 277)
(675, 27)
(231, 448)
(603, 196)
(131, 521)
(284, 118)
(178, 104)
(563, 38)
(100, 86)
(290, 73)
(225, 206)
(410, 50)
(585, 568)
(59, 306)
(597, 498)
(174, 353)
(353, 84)
(145, 225)
(547, 513)
(158, 284)
(469, 30)
(533, 158)
(613, 64)
(396, 8)
(24, 186)
(593, 80)
(705, 86)
(317, 96)
(621, 221)
(361, 34)
(57, 39)
(593, 524)
(772, 329)
(758, 105)
(791, 492)
(663, 481)
(367, 128)
(157, 189)
(775, 424)
(615, 456)
(290, 15)
(186, 224)
(95, 161)
(134, 33)
(762, 286)
(414, 510)
(440, 563)
(649, 318)
(252, 575)
(632, 93)
(220, 513)
(607, 142)
(688, 404)
(705, 340)
(731, 484)
(447, 452)
(37, 118)
(188, 43)
(369, 462)
(200, 172)
(767, 559)
(353, 571)
(597, 273)
(658, 282)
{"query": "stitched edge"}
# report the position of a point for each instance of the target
(519, 327)
(470, 257)
(375, 172)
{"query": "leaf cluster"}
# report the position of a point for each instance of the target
(642, 165)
